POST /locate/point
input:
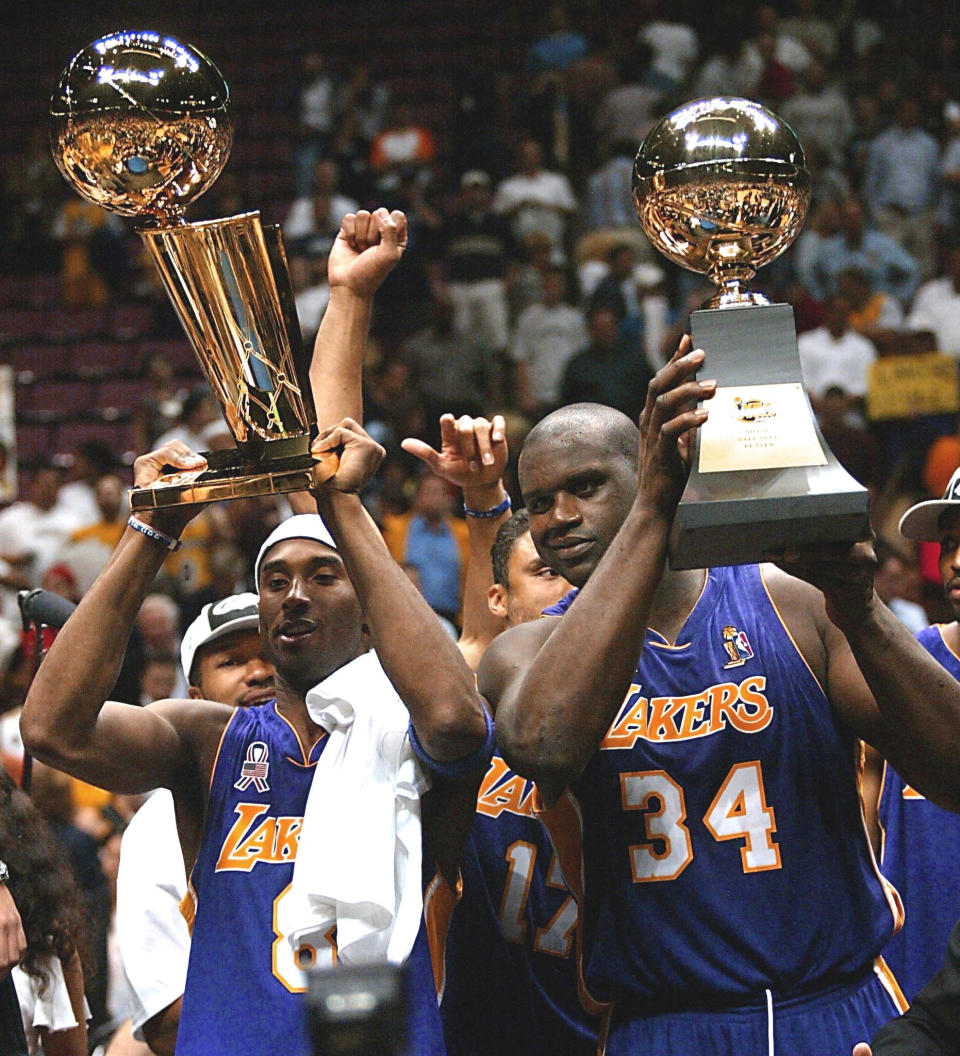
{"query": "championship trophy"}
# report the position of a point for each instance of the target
(140, 126)
(721, 188)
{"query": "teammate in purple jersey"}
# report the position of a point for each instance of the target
(919, 841)
(321, 609)
(674, 778)
(515, 925)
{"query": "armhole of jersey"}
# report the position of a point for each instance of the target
(788, 633)
(216, 758)
(889, 982)
(439, 902)
(564, 824)
(880, 825)
(188, 907)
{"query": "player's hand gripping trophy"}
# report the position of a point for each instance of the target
(141, 126)
(721, 188)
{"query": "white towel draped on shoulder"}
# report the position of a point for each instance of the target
(359, 861)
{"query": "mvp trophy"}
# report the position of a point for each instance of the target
(140, 126)
(721, 188)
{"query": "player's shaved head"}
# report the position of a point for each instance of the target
(594, 423)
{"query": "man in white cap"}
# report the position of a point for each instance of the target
(320, 609)
(222, 660)
(921, 841)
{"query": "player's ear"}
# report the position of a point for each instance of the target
(195, 693)
(497, 600)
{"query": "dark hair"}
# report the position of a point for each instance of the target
(507, 535)
(41, 882)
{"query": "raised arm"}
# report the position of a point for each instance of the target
(66, 720)
(418, 655)
(364, 252)
(473, 455)
(556, 685)
(881, 682)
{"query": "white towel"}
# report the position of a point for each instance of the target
(359, 861)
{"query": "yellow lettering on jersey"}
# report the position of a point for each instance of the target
(631, 724)
(744, 707)
(272, 840)
(502, 790)
(751, 695)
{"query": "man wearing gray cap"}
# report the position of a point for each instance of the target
(222, 660)
(241, 778)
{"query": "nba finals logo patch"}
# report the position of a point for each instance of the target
(737, 647)
(255, 768)
(754, 410)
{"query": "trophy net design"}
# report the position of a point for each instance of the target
(141, 127)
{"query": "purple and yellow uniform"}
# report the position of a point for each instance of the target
(730, 899)
(511, 967)
(920, 856)
(245, 982)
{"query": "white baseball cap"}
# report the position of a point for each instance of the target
(299, 526)
(922, 522)
(238, 612)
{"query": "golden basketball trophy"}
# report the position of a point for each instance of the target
(141, 126)
(721, 188)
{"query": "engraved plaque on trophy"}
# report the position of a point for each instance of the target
(721, 187)
(140, 125)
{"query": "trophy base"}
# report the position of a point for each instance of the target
(754, 487)
(227, 476)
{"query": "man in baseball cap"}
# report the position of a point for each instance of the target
(222, 657)
(920, 851)
(222, 661)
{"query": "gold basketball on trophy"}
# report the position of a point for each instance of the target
(141, 127)
(721, 187)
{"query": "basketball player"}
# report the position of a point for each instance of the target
(223, 661)
(707, 796)
(240, 779)
(920, 842)
(515, 926)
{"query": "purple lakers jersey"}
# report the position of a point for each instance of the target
(920, 856)
(245, 982)
(511, 967)
(718, 827)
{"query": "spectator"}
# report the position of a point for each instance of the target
(835, 354)
(859, 244)
(111, 519)
(855, 447)
(49, 979)
(477, 249)
(897, 582)
(311, 292)
(314, 219)
(674, 46)
(548, 335)
(434, 542)
(874, 314)
(199, 409)
(317, 109)
(161, 406)
(628, 111)
(936, 308)
(810, 29)
(820, 113)
(901, 183)
(404, 145)
(942, 459)
(558, 48)
(91, 460)
(450, 374)
(608, 199)
(608, 370)
(534, 199)
(527, 282)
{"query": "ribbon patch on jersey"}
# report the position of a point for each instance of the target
(737, 647)
(255, 768)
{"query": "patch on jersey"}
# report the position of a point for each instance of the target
(255, 768)
(910, 793)
(737, 647)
